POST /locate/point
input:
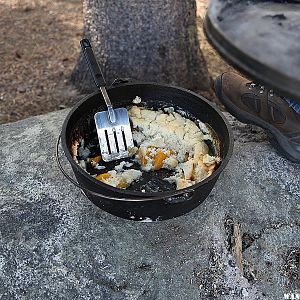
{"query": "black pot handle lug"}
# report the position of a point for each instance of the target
(121, 81)
(177, 197)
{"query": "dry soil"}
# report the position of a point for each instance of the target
(39, 48)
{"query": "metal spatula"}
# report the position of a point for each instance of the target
(113, 126)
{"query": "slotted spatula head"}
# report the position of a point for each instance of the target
(114, 139)
(113, 126)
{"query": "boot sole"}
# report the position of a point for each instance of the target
(277, 139)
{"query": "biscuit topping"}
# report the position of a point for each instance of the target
(163, 140)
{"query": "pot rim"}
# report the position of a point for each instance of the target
(138, 194)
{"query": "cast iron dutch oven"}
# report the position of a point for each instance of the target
(159, 202)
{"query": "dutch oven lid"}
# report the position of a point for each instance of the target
(261, 39)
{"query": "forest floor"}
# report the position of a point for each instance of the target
(39, 49)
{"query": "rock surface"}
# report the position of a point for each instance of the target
(55, 244)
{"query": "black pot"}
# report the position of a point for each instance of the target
(136, 205)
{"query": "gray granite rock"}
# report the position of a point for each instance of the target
(55, 244)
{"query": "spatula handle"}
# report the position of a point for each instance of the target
(92, 63)
(97, 75)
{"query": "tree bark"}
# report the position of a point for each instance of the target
(153, 41)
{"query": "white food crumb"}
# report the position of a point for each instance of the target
(119, 167)
(209, 160)
(203, 127)
(146, 220)
(98, 167)
(183, 113)
(169, 109)
(170, 163)
(123, 164)
(137, 100)
(82, 164)
(84, 152)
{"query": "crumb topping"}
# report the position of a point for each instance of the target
(168, 140)
(164, 140)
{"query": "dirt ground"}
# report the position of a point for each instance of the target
(37, 63)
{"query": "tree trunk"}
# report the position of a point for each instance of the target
(145, 40)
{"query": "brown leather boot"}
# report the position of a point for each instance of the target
(253, 104)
